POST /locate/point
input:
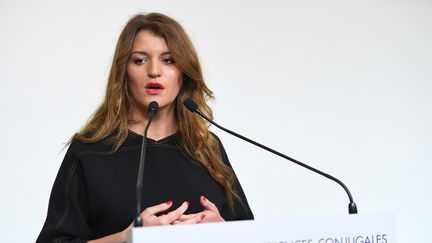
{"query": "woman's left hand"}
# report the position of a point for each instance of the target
(210, 214)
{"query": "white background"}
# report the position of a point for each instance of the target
(343, 85)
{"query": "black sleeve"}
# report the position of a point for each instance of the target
(67, 218)
(241, 209)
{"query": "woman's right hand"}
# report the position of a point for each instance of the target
(149, 218)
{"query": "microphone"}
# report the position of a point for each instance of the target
(152, 110)
(192, 106)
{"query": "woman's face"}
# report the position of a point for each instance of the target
(152, 73)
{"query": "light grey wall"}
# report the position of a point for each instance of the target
(343, 85)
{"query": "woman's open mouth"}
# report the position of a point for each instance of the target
(154, 88)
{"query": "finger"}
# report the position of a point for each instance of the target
(187, 216)
(208, 205)
(176, 222)
(200, 217)
(174, 215)
(156, 209)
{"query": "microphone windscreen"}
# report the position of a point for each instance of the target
(190, 104)
(153, 107)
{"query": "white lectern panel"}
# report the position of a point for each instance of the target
(343, 229)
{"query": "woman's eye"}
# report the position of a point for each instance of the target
(168, 60)
(139, 61)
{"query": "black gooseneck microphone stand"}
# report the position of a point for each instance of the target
(192, 106)
(152, 109)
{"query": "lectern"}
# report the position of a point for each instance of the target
(338, 229)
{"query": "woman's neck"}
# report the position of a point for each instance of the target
(163, 124)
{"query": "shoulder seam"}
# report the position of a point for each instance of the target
(69, 181)
(125, 149)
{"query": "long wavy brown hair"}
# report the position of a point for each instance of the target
(111, 119)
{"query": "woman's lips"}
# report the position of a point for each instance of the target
(154, 88)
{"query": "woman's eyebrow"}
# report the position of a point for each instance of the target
(146, 54)
(140, 52)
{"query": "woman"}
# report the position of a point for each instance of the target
(187, 178)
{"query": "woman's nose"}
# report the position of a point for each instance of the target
(153, 69)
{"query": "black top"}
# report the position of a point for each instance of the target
(94, 192)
